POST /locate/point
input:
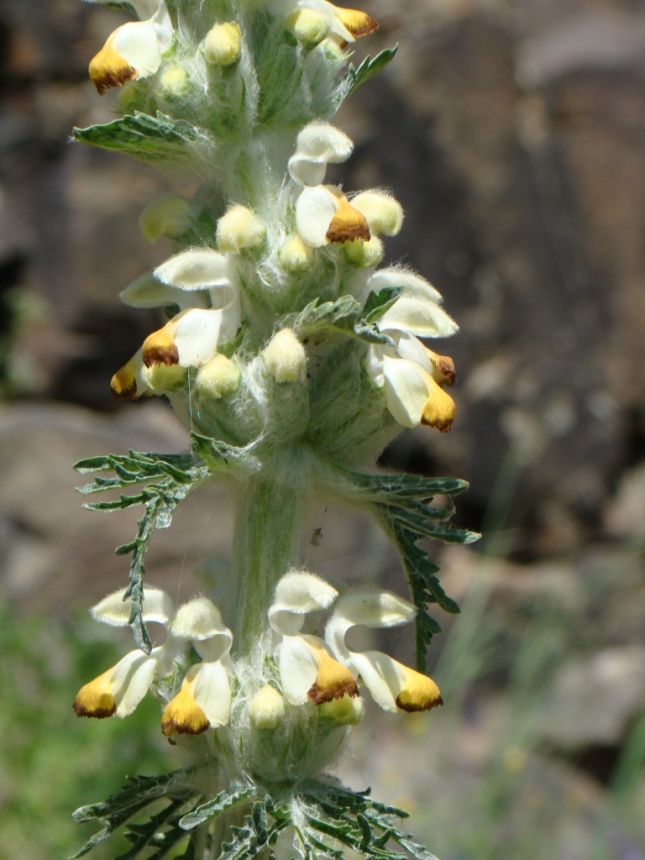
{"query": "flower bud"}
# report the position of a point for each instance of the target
(223, 44)
(174, 80)
(384, 214)
(218, 377)
(239, 229)
(308, 26)
(364, 255)
(168, 216)
(266, 709)
(285, 357)
(295, 256)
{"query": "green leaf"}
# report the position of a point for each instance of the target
(341, 315)
(402, 505)
(357, 76)
(152, 139)
(137, 793)
(225, 800)
(378, 303)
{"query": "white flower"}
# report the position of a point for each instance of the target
(206, 687)
(133, 50)
(393, 686)
(202, 282)
(308, 672)
(411, 374)
(323, 213)
(204, 700)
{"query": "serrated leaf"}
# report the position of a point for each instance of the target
(152, 139)
(224, 801)
(368, 68)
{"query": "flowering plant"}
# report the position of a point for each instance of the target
(292, 359)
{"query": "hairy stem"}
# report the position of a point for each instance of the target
(267, 539)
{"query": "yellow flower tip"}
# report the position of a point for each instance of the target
(419, 693)
(95, 699)
(123, 384)
(348, 224)
(108, 69)
(333, 680)
(358, 23)
(443, 368)
(439, 410)
(159, 348)
(223, 44)
(183, 716)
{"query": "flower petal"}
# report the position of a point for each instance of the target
(407, 389)
(119, 690)
(297, 594)
(131, 51)
(317, 145)
(394, 686)
(213, 692)
(113, 609)
(148, 292)
(308, 672)
(190, 339)
(419, 315)
(315, 207)
(195, 269)
(182, 715)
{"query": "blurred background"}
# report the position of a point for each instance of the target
(513, 133)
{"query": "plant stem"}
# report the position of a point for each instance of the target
(267, 539)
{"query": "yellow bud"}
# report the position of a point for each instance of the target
(295, 256)
(223, 44)
(169, 216)
(384, 214)
(218, 377)
(285, 357)
(266, 709)
(364, 255)
(308, 26)
(239, 229)
(174, 80)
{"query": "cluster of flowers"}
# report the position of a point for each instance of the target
(135, 50)
(311, 669)
(207, 287)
